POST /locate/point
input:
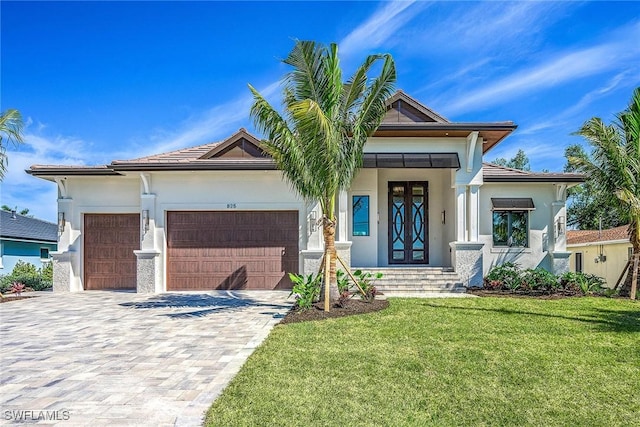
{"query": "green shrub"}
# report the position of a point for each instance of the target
(29, 275)
(505, 276)
(306, 289)
(343, 282)
(585, 284)
(540, 279)
(366, 281)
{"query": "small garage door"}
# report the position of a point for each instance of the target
(231, 249)
(109, 242)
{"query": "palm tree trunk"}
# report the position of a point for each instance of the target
(329, 232)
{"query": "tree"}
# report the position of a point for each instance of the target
(23, 212)
(586, 209)
(10, 129)
(318, 140)
(614, 169)
(519, 161)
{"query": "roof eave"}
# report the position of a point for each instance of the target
(261, 164)
(535, 179)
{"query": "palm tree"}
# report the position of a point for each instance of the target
(318, 140)
(614, 169)
(11, 128)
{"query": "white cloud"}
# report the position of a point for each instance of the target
(39, 196)
(559, 69)
(380, 26)
(623, 79)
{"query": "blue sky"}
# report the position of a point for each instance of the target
(99, 81)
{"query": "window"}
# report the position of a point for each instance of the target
(44, 253)
(579, 262)
(511, 228)
(360, 219)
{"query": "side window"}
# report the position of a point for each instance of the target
(44, 253)
(511, 228)
(360, 218)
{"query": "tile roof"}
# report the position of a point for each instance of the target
(575, 237)
(495, 173)
(26, 228)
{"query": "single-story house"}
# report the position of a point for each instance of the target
(603, 253)
(24, 238)
(220, 215)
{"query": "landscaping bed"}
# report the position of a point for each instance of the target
(351, 307)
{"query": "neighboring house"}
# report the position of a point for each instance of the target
(601, 252)
(220, 216)
(24, 238)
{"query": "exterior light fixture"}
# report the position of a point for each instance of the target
(145, 219)
(313, 221)
(444, 217)
(61, 222)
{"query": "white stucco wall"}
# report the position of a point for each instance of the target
(541, 225)
(203, 190)
(372, 250)
(616, 255)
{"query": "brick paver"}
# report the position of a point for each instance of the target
(119, 358)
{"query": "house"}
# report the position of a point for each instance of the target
(603, 253)
(24, 238)
(220, 216)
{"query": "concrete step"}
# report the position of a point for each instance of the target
(416, 280)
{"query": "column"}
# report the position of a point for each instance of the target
(63, 257)
(148, 257)
(461, 213)
(474, 211)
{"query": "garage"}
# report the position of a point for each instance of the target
(231, 249)
(109, 242)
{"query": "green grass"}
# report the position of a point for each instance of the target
(476, 361)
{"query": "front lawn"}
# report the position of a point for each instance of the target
(475, 361)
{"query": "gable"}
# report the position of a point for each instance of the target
(241, 148)
(401, 108)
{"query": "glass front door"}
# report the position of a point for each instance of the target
(408, 223)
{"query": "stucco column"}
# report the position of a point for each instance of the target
(63, 258)
(474, 212)
(343, 245)
(461, 213)
(148, 257)
(342, 217)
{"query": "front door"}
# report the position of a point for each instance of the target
(408, 223)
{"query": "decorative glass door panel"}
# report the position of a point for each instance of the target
(408, 224)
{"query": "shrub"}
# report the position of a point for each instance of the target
(343, 282)
(540, 279)
(17, 288)
(366, 281)
(585, 284)
(306, 289)
(505, 276)
(27, 274)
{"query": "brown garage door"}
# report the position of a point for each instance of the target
(109, 242)
(231, 249)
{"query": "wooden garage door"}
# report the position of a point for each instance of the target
(231, 249)
(109, 242)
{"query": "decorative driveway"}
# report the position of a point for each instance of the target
(116, 358)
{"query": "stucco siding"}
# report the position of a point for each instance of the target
(617, 255)
(540, 225)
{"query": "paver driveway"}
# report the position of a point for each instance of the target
(118, 358)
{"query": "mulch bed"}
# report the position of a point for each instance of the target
(352, 307)
(7, 298)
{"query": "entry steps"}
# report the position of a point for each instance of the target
(399, 281)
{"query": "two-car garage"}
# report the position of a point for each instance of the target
(206, 250)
